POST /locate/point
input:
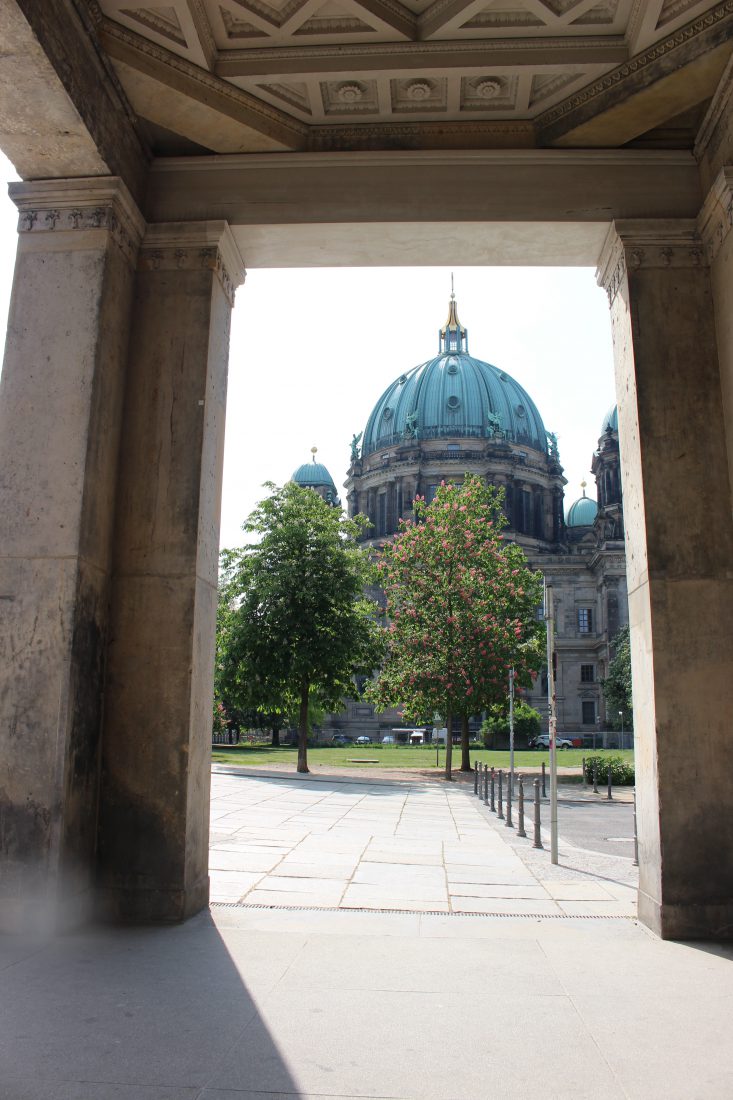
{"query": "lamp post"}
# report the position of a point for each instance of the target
(621, 740)
(511, 730)
(552, 709)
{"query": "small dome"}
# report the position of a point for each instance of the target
(610, 420)
(582, 512)
(313, 475)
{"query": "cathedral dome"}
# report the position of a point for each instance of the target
(454, 395)
(582, 512)
(610, 420)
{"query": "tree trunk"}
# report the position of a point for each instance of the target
(275, 738)
(448, 746)
(465, 754)
(303, 730)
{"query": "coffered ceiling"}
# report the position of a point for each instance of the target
(254, 75)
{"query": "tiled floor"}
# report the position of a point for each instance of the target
(332, 843)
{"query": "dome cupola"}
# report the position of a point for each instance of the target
(314, 475)
(610, 420)
(583, 511)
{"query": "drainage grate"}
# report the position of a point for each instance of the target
(418, 912)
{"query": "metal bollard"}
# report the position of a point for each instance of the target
(493, 791)
(520, 806)
(585, 781)
(537, 833)
(508, 822)
(595, 778)
(486, 784)
(636, 838)
(609, 796)
(544, 788)
(500, 812)
(475, 778)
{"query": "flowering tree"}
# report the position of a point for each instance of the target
(462, 608)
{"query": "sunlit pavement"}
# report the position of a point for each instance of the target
(376, 845)
(415, 949)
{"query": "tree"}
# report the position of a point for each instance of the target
(296, 627)
(462, 608)
(527, 722)
(617, 685)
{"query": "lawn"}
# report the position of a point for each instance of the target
(396, 756)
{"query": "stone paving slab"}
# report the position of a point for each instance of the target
(290, 841)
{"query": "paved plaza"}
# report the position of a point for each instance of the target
(422, 847)
(349, 953)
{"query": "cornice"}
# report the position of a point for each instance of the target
(637, 64)
(647, 243)
(716, 217)
(429, 158)
(192, 246)
(61, 207)
(473, 46)
(363, 136)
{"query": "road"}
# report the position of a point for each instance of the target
(606, 827)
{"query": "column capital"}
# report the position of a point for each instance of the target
(63, 213)
(190, 246)
(647, 243)
(716, 217)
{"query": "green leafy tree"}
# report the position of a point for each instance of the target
(462, 608)
(296, 627)
(527, 722)
(617, 685)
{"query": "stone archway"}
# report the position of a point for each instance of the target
(111, 425)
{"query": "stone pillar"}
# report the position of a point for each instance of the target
(154, 817)
(715, 224)
(60, 414)
(679, 549)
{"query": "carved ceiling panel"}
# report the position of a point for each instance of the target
(402, 62)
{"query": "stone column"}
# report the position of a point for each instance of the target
(679, 549)
(154, 819)
(715, 224)
(60, 414)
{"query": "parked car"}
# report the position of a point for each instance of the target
(542, 741)
(340, 739)
(363, 740)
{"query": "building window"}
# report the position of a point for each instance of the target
(587, 674)
(585, 620)
(589, 712)
(453, 448)
(430, 494)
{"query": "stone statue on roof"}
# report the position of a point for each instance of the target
(355, 455)
(493, 423)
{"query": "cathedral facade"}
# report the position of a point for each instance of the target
(456, 414)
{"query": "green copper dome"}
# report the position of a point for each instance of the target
(582, 512)
(610, 420)
(314, 475)
(454, 396)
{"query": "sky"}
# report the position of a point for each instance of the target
(312, 350)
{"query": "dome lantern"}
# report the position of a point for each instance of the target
(453, 336)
